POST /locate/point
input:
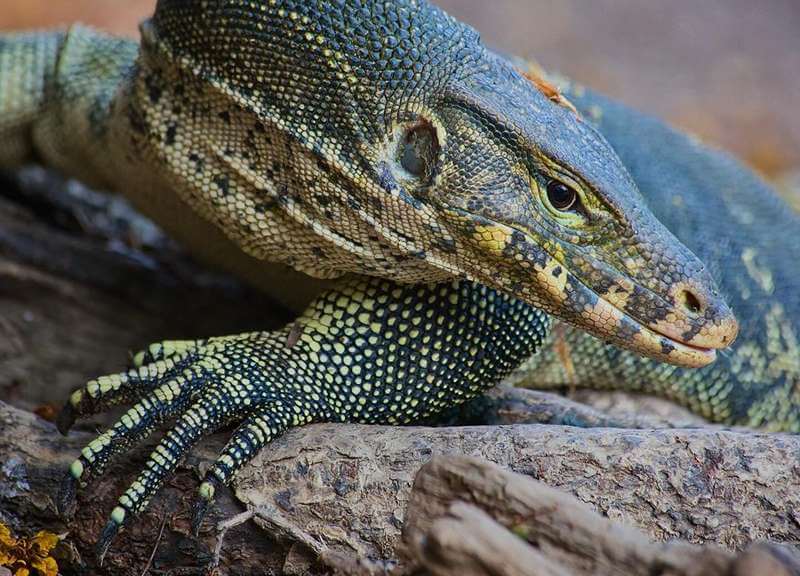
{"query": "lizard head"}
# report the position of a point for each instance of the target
(383, 138)
(544, 209)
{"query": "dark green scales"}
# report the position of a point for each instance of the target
(451, 207)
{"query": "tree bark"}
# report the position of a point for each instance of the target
(469, 517)
(344, 488)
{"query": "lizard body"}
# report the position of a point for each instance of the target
(458, 204)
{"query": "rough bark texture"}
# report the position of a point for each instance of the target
(83, 280)
(346, 488)
(470, 517)
(349, 484)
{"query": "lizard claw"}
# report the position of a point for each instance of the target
(199, 510)
(66, 418)
(203, 502)
(104, 542)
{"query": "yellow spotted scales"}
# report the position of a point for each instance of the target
(371, 351)
(449, 204)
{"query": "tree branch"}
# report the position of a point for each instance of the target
(347, 486)
(468, 516)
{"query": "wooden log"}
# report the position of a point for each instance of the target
(468, 516)
(346, 487)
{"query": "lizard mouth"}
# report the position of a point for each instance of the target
(643, 338)
(607, 321)
(574, 301)
(610, 323)
(672, 350)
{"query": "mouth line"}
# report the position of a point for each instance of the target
(702, 349)
(707, 355)
(650, 341)
(681, 342)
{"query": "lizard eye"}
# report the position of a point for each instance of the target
(419, 149)
(561, 196)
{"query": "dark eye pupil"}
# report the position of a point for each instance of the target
(561, 196)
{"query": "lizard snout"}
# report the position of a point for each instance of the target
(709, 321)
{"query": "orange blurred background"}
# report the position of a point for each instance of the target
(726, 70)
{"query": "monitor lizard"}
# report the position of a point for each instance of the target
(437, 214)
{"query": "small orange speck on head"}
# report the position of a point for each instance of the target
(550, 90)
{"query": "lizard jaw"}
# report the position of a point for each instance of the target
(547, 283)
(646, 340)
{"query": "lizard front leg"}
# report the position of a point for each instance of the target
(370, 351)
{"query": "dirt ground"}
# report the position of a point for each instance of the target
(726, 70)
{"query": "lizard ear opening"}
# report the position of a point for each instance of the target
(418, 150)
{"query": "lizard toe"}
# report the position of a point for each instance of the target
(101, 393)
(159, 351)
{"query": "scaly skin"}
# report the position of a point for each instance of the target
(216, 116)
(382, 141)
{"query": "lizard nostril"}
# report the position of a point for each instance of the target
(690, 301)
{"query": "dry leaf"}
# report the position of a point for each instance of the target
(21, 555)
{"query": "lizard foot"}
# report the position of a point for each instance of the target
(204, 385)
